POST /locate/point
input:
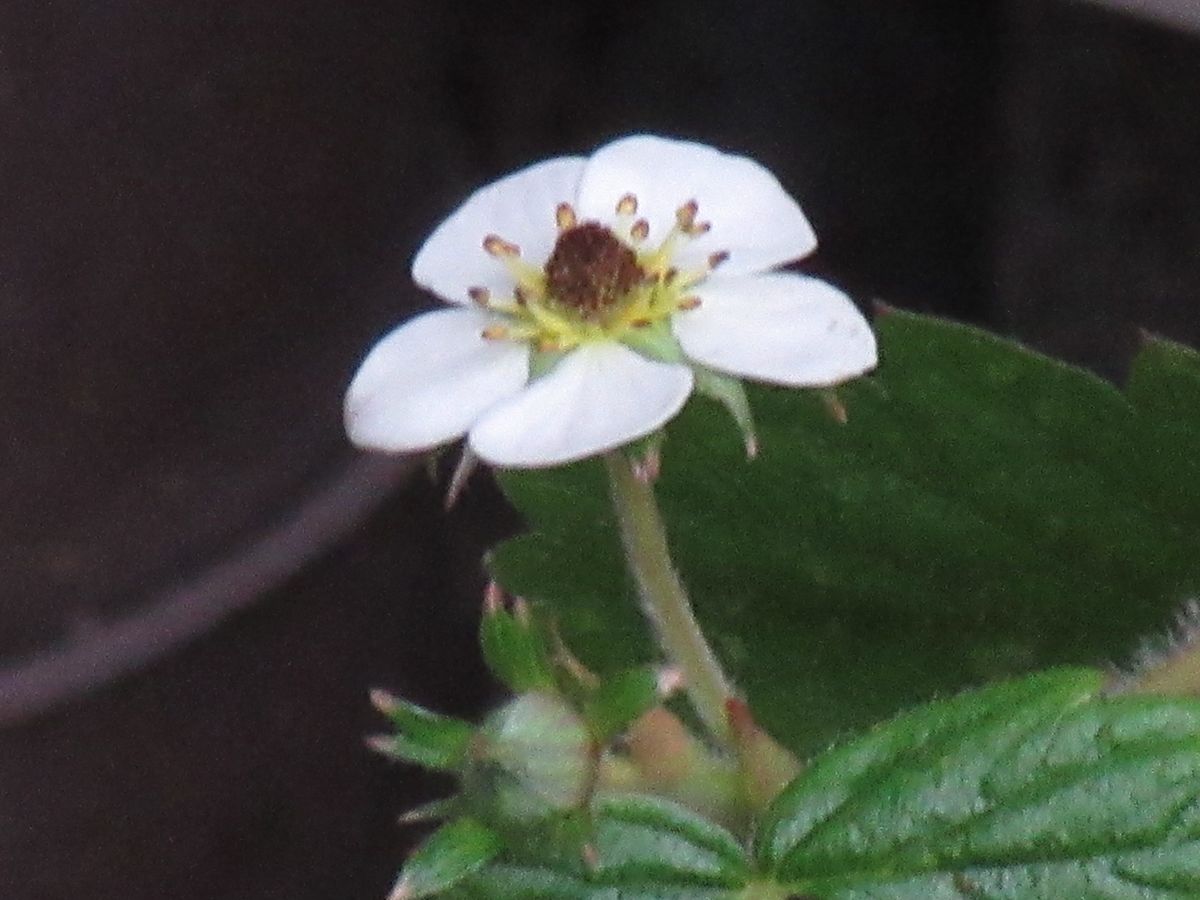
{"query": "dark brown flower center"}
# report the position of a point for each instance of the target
(590, 270)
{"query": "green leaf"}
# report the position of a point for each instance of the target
(451, 854)
(508, 882)
(644, 841)
(641, 849)
(731, 394)
(1028, 789)
(984, 512)
(422, 737)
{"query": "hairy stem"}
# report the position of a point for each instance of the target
(1176, 676)
(664, 599)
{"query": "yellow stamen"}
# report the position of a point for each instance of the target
(530, 280)
(685, 216)
(500, 248)
(548, 321)
(479, 296)
(510, 306)
(540, 309)
(693, 276)
(565, 217)
(496, 333)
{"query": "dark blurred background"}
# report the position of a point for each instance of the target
(206, 217)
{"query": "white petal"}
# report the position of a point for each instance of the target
(519, 208)
(427, 381)
(781, 328)
(752, 216)
(598, 397)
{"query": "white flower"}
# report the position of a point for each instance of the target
(589, 296)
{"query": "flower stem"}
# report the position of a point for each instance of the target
(664, 599)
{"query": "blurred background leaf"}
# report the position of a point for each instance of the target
(985, 511)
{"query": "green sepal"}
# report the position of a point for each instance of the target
(620, 700)
(542, 361)
(656, 341)
(441, 810)
(515, 651)
(730, 393)
(422, 737)
(450, 855)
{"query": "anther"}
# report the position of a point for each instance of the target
(686, 303)
(479, 296)
(564, 216)
(640, 230)
(498, 247)
(670, 275)
(521, 295)
(641, 323)
(494, 333)
(685, 216)
(627, 205)
(715, 259)
(698, 229)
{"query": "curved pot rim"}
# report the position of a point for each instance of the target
(104, 651)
